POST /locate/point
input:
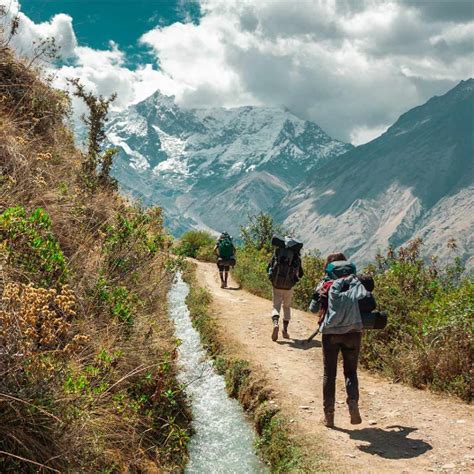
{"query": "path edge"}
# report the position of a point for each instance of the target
(277, 444)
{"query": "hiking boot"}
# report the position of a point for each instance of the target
(328, 420)
(285, 330)
(275, 329)
(222, 284)
(225, 284)
(354, 412)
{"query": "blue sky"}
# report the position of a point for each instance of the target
(122, 21)
(351, 66)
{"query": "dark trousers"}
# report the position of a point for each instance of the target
(349, 345)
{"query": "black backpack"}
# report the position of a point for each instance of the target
(286, 263)
(367, 304)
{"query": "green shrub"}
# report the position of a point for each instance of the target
(313, 266)
(119, 301)
(428, 339)
(251, 271)
(133, 240)
(259, 231)
(30, 245)
(196, 244)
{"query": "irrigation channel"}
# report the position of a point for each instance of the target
(223, 441)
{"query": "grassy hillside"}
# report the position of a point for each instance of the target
(87, 355)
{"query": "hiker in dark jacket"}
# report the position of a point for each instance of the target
(282, 288)
(341, 328)
(225, 252)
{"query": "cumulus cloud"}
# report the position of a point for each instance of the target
(29, 33)
(352, 66)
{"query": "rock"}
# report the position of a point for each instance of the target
(304, 407)
(460, 421)
(448, 466)
(292, 421)
(272, 402)
(350, 455)
(372, 422)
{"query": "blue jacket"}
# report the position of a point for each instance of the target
(343, 315)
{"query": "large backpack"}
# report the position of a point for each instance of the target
(226, 247)
(285, 269)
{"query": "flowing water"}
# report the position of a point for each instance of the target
(223, 441)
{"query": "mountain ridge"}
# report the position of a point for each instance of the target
(210, 168)
(201, 163)
(395, 181)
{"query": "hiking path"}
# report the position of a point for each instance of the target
(404, 430)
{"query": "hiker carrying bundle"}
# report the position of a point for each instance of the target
(225, 252)
(339, 299)
(367, 304)
(284, 271)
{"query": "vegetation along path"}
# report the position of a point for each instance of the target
(403, 430)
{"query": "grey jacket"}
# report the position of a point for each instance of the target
(343, 315)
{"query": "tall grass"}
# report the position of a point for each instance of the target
(87, 354)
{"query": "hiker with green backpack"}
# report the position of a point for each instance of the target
(225, 252)
(284, 271)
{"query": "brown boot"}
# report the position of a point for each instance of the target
(328, 419)
(285, 330)
(354, 412)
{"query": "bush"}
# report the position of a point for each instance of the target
(313, 266)
(31, 246)
(251, 271)
(196, 244)
(428, 339)
(259, 231)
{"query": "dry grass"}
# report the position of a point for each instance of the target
(86, 350)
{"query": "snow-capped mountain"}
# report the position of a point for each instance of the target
(416, 180)
(211, 168)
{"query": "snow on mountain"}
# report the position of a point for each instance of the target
(416, 180)
(212, 167)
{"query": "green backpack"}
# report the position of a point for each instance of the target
(226, 248)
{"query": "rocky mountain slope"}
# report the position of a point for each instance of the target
(211, 168)
(416, 180)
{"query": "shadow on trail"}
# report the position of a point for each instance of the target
(233, 288)
(390, 443)
(300, 344)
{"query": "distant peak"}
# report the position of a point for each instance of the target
(467, 84)
(159, 97)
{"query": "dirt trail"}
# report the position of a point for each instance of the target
(404, 430)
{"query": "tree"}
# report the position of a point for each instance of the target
(259, 231)
(97, 163)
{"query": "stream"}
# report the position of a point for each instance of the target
(223, 441)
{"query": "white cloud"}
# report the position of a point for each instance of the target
(361, 135)
(29, 33)
(351, 66)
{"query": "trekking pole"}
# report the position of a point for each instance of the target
(310, 338)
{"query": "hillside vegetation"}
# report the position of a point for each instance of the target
(87, 355)
(428, 340)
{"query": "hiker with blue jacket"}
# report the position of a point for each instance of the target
(341, 329)
(225, 252)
